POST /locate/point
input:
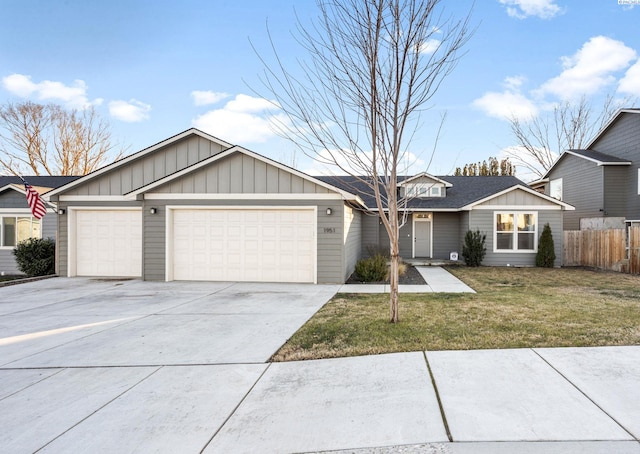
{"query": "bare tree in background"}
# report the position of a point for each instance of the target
(373, 67)
(49, 140)
(571, 124)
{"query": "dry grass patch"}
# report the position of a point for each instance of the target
(526, 307)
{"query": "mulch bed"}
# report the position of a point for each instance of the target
(410, 277)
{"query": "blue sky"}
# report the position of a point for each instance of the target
(156, 68)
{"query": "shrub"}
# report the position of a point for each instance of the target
(546, 255)
(36, 256)
(473, 250)
(372, 269)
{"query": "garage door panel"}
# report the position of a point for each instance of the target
(108, 243)
(265, 245)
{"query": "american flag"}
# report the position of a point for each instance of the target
(35, 202)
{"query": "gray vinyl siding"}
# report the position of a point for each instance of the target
(622, 140)
(446, 235)
(616, 180)
(63, 229)
(149, 168)
(370, 237)
(240, 174)
(484, 221)
(582, 187)
(352, 240)
(330, 234)
(13, 199)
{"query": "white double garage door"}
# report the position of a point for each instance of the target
(202, 244)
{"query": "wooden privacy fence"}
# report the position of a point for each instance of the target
(604, 249)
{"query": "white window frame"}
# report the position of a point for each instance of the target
(16, 214)
(515, 249)
(556, 182)
(638, 180)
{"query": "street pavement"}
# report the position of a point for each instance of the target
(128, 366)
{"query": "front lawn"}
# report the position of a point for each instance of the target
(524, 307)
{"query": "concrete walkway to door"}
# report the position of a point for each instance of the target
(437, 280)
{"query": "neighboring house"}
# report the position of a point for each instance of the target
(194, 207)
(16, 222)
(602, 181)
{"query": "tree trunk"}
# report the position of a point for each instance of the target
(393, 287)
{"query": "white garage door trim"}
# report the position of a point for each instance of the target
(170, 234)
(72, 232)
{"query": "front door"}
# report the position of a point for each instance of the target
(422, 237)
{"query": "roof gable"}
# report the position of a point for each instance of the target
(142, 163)
(611, 122)
(519, 196)
(273, 172)
(422, 177)
(596, 157)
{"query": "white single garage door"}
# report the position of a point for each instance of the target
(108, 243)
(257, 245)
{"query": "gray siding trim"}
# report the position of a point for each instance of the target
(370, 240)
(616, 181)
(446, 235)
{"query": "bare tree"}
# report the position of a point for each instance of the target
(570, 125)
(373, 67)
(493, 168)
(49, 140)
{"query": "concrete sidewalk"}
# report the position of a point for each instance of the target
(437, 280)
(567, 400)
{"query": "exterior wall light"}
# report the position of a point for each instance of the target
(329, 211)
(153, 210)
(61, 211)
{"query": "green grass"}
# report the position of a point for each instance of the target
(525, 307)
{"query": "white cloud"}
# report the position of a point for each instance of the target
(410, 164)
(509, 103)
(590, 68)
(430, 46)
(630, 83)
(242, 120)
(203, 98)
(131, 111)
(74, 96)
(521, 9)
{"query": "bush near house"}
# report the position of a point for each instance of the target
(372, 269)
(546, 255)
(36, 256)
(474, 250)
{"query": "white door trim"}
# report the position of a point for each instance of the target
(415, 219)
(72, 266)
(170, 233)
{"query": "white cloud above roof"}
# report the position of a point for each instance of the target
(131, 111)
(508, 103)
(73, 96)
(244, 119)
(203, 98)
(591, 68)
(521, 9)
(630, 83)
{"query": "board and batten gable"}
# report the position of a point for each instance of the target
(582, 187)
(148, 168)
(622, 140)
(482, 217)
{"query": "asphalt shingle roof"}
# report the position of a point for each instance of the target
(40, 181)
(465, 190)
(597, 156)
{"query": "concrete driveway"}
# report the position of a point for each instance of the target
(135, 367)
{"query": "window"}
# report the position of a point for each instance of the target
(515, 232)
(19, 228)
(555, 188)
(435, 191)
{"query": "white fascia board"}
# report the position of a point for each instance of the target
(136, 156)
(93, 198)
(426, 175)
(473, 205)
(14, 187)
(597, 161)
(241, 196)
(613, 120)
(237, 149)
(420, 210)
(519, 207)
